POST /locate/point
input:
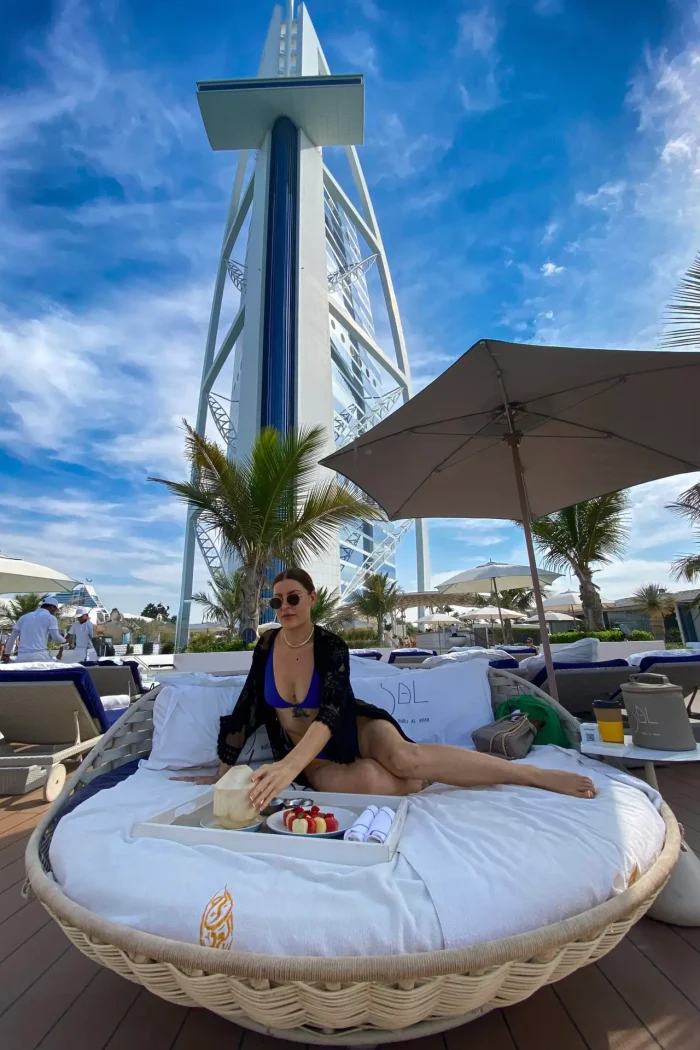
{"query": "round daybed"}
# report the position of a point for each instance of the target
(338, 1001)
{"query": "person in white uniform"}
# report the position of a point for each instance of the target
(82, 631)
(33, 631)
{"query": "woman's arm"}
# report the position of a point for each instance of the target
(273, 779)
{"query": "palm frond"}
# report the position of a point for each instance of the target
(688, 504)
(686, 567)
(683, 312)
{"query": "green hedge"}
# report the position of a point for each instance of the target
(641, 636)
(574, 636)
(355, 635)
(203, 642)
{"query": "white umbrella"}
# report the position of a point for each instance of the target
(438, 618)
(495, 576)
(497, 612)
(19, 577)
(567, 601)
(552, 617)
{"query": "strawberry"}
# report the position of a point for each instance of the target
(314, 811)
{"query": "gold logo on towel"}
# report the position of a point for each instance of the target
(216, 926)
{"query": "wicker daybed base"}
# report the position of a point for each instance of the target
(338, 1001)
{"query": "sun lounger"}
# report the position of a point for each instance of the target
(410, 657)
(579, 685)
(114, 680)
(54, 715)
(367, 654)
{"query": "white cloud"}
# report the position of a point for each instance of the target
(370, 10)
(622, 579)
(485, 97)
(478, 31)
(606, 197)
(550, 269)
(681, 149)
(550, 232)
(359, 51)
(405, 151)
(546, 8)
(129, 369)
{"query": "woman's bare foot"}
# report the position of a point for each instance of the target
(564, 783)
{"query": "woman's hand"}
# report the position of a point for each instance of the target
(205, 780)
(269, 781)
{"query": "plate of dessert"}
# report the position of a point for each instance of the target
(313, 821)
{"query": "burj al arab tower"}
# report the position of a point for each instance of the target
(304, 326)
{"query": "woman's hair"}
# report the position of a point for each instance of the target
(299, 576)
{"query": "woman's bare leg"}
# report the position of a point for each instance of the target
(362, 777)
(381, 741)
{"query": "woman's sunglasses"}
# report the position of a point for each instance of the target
(291, 599)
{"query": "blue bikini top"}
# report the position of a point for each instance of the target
(272, 696)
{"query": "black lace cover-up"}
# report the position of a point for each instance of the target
(338, 709)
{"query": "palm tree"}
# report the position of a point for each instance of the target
(12, 608)
(379, 597)
(223, 605)
(655, 602)
(580, 537)
(519, 599)
(687, 567)
(328, 611)
(269, 507)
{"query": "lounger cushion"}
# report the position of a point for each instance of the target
(366, 654)
(584, 651)
(669, 661)
(396, 653)
(463, 655)
(442, 705)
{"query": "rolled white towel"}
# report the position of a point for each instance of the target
(360, 829)
(381, 825)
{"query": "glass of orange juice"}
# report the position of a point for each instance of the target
(608, 714)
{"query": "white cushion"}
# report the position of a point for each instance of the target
(361, 667)
(443, 705)
(462, 656)
(116, 701)
(584, 651)
(186, 721)
(635, 659)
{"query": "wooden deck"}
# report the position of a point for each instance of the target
(643, 995)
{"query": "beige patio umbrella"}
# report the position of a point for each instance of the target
(26, 577)
(516, 431)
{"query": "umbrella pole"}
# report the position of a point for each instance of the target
(500, 614)
(513, 440)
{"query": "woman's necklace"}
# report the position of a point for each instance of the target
(298, 644)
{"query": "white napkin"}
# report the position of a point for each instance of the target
(360, 829)
(380, 826)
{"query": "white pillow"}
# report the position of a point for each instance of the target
(443, 705)
(584, 651)
(361, 667)
(461, 656)
(186, 721)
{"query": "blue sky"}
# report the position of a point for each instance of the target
(534, 165)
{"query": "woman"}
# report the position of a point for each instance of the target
(299, 688)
